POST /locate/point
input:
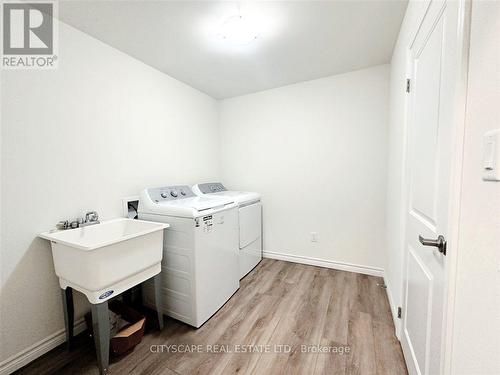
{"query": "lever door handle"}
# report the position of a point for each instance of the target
(440, 243)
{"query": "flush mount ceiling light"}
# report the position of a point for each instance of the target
(238, 30)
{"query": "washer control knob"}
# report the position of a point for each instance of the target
(163, 195)
(174, 193)
(183, 192)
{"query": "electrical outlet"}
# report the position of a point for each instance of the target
(314, 236)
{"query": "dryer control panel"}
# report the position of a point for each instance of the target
(211, 187)
(169, 193)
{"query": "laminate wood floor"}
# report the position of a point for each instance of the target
(285, 318)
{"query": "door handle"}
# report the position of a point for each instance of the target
(440, 243)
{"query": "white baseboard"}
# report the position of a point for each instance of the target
(38, 349)
(366, 270)
(394, 309)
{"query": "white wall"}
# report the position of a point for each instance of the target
(476, 343)
(396, 149)
(317, 153)
(100, 127)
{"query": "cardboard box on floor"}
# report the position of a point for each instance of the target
(129, 334)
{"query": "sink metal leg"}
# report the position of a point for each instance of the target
(100, 325)
(69, 315)
(158, 301)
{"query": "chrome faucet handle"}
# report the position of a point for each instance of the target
(62, 225)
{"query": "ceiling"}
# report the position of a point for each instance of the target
(297, 40)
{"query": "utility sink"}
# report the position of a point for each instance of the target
(106, 259)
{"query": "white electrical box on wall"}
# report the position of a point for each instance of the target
(491, 156)
(130, 205)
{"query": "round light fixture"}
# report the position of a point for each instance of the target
(238, 30)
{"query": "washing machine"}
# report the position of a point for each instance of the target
(200, 251)
(249, 221)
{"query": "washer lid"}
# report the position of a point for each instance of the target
(161, 201)
(240, 197)
(197, 203)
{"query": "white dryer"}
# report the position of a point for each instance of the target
(200, 251)
(249, 218)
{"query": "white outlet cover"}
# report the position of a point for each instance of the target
(314, 237)
(491, 155)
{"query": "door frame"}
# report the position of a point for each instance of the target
(455, 184)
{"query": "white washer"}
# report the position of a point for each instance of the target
(250, 221)
(200, 251)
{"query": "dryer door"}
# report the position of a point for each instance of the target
(250, 224)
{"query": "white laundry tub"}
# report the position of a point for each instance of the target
(106, 259)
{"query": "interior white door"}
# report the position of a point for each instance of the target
(433, 60)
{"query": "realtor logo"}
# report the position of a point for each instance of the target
(28, 35)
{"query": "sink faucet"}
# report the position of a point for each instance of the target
(91, 218)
